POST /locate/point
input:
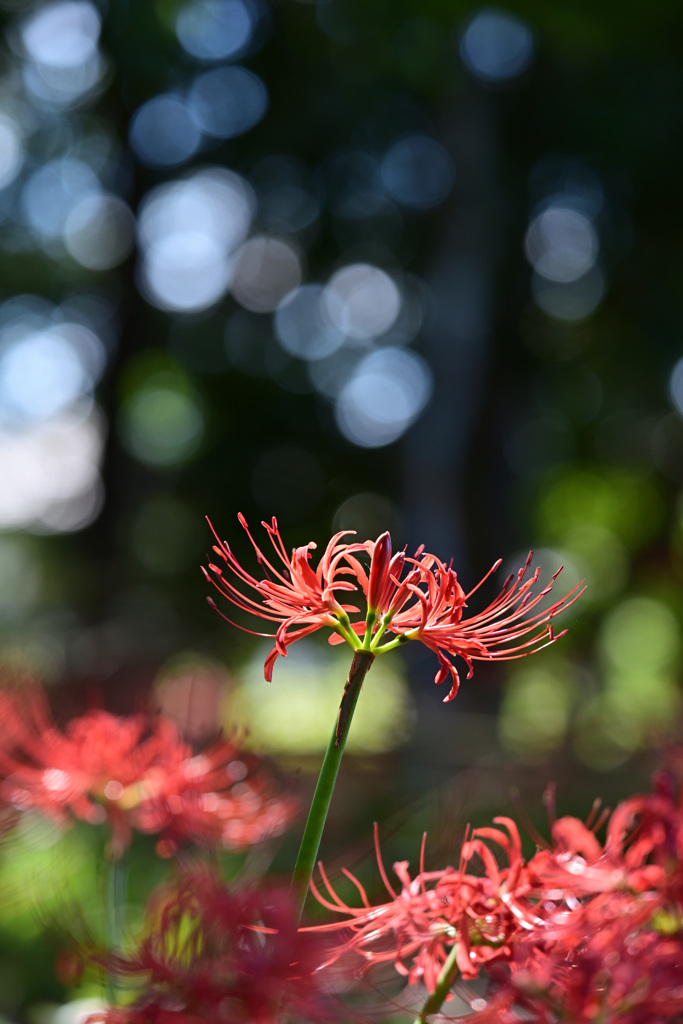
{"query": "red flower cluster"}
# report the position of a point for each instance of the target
(133, 772)
(213, 955)
(479, 915)
(584, 932)
(427, 604)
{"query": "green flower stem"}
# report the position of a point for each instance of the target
(435, 1000)
(117, 887)
(310, 843)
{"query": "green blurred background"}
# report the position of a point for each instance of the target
(360, 265)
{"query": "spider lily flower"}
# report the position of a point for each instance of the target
(429, 604)
(413, 598)
(643, 851)
(610, 945)
(300, 599)
(221, 798)
(601, 961)
(134, 773)
(82, 772)
(213, 952)
(481, 915)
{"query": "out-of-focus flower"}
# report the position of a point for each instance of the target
(222, 797)
(609, 947)
(602, 961)
(133, 772)
(481, 915)
(427, 604)
(84, 771)
(217, 954)
(586, 931)
(643, 851)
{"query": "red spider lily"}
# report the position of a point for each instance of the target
(133, 772)
(610, 945)
(643, 851)
(604, 961)
(85, 770)
(426, 605)
(215, 954)
(300, 599)
(222, 797)
(437, 910)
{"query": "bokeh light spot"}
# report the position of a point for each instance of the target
(418, 172)
(161, 426)
(624, 503)
(62, 34)
(187, 230)
(227, 102)
(570, 301)
(496, 46)
(214, 202)
(676, 386)
(303, 327)
(362, 301)
(164, 132)
(186, 271)
(11, 151)
(640, 633)
(213, 30)
(534, 715)
(385, 395)
(99, 232)
(52, 192)
(42, 372)
(265, 269)
(561, 244)
(602, 559)
(56, 88)
(50, 473)
(294, 717)
(39, 377)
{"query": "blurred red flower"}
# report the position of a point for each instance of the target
(222, 797)
(134, 772)
(642, 852)
(213, 953)
(604, 960)
(610, 945)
